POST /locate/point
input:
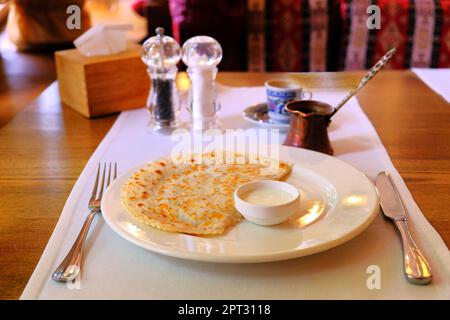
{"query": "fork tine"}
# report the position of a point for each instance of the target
(94, 191)
(115, 170)
(100, 192)
(109, 176)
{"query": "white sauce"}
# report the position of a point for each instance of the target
(267, 197)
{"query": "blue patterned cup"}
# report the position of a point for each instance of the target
(279, 93)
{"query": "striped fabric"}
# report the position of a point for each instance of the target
(291, 35)
(441, 46)
(318, 35)
(419, 29)
(255, 35)
(286, 37)
(425, 20)
(358, 34)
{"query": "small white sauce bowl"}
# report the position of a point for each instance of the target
(267, 215)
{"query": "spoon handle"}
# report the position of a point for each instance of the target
(372, 72)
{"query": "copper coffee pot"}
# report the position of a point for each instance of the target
(310, 119)
(309, 125)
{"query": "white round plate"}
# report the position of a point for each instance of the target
(337, 203)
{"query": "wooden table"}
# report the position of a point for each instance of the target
(44, 149)
(23, 76)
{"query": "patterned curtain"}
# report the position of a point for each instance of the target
(419, 29)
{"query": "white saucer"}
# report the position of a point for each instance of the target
(257, 114)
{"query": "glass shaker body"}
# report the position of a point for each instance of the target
(202, 102)
(163, 101)
(202, 54)
(161, 54)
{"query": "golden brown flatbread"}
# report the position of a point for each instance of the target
(194, 198)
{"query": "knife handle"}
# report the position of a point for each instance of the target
(417, 269)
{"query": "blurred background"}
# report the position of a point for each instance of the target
(256, 35)
(30, 32)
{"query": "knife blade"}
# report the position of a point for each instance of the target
(389, 198)
(416, 267)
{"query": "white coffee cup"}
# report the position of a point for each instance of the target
(279, 93)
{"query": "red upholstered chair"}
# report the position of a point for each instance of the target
(139, 6)
(224, 20)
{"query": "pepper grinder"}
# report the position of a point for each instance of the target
(161, 54)
(202, 54)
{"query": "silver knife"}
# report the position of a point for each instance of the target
(416, 267)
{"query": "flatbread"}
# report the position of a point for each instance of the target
(183, 196)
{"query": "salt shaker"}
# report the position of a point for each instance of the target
(202, 54)
(161, 54)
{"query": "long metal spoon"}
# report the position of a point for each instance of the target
(372, 72)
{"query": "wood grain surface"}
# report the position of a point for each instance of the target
(102, 85)
(23, 77)
(44, 149)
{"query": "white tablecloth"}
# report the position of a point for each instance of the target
(436, 79)
(117, 269)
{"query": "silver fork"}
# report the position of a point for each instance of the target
(70, 267)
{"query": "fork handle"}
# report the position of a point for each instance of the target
(70, 267)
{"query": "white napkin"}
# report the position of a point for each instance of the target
(117, 269)
(436, 79)
(103, 39)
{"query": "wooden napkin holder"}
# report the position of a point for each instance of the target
(100, 85)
